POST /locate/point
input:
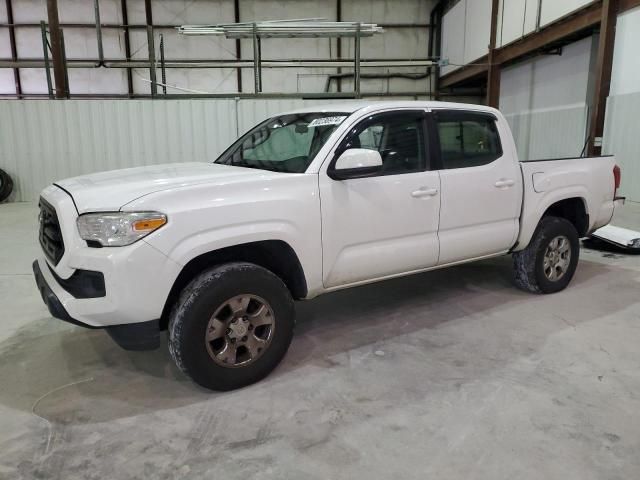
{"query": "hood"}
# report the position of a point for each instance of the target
(110, 191)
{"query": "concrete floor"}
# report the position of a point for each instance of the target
(451, 374)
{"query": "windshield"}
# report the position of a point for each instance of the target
(286, 143)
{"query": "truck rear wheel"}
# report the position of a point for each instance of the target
(231, 326)
(548, 264)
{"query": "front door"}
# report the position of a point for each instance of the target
(385, 224)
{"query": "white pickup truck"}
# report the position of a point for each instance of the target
(306, 203)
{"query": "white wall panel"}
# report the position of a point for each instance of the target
(48, 140)
(5, 46)
(478, 29)
(29, 11)
(466, 30)
(621, 136)
(42, 141)
(86, 80)
(453, 34)
(552, 10)
(621, 139)
(626, 58)
(516, 19)
(511, 20)
(546, 102)
(549, 81)
(7, 83)
(34, 80)
(530, 16)
(550, 133)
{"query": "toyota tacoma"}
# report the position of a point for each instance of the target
(306, 203)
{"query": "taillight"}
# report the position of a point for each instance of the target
(617, 177)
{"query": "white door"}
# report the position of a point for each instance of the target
(481, 187)
(387, 223)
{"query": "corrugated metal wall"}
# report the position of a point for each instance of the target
(622, 139)
(41, 141)
(622, 132)
(551, 133)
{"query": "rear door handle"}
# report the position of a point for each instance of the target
(505, 183)
(425, 192)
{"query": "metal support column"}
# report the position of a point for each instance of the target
(494, 71)
(56, 49)
(96, 9)
(63, 49)
(152, 61)
(339, 44)
(127, 44)
(45, 51)
(14, 50)
(151, 47)
(356, 71)
(257, 73)
(604, 66)
(163, 69)
(236, 14)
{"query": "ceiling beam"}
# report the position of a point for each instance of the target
(624, 5)
(472, 71)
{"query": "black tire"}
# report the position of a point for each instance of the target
(529, 264)
(6, 185)
(190, 320)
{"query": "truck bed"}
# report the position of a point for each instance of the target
(590, 180)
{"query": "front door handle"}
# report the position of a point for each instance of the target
(503, 183)
(425, 192)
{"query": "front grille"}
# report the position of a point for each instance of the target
(50, 234)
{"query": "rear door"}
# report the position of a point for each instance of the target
(480, 183)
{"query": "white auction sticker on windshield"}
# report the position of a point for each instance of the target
(322, 122)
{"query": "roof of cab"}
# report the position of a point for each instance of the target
(354, 106)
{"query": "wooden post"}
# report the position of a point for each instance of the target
(56, 49)
(604, 66)
(494, 70)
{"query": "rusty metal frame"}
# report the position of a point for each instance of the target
(127, 44)
(14, 50)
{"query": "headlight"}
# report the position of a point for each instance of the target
(117, 229)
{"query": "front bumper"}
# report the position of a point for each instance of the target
(110, 286)
(133, 336)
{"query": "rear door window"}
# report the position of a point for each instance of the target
(467, 139)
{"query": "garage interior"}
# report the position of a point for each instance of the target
(450, 374)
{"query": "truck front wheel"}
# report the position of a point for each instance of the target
(548, 264)
(231, 326)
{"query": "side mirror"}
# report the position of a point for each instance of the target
(356, 163)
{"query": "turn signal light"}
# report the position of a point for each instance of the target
(148, 224)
